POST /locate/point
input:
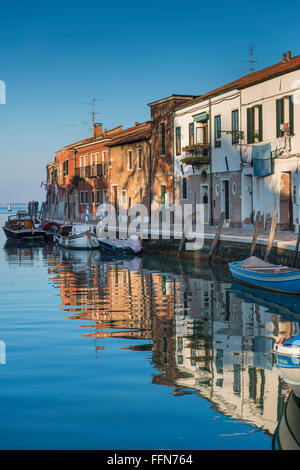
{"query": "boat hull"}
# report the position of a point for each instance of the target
(288, 283)
(15, 235)
(84, 241)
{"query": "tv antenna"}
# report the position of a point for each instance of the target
(93, 113)
(251, 60)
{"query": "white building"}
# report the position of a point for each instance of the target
(236, 148)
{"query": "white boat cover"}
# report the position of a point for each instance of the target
(254, 262)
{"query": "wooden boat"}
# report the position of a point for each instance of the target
(21, 227)
(50, 227)
(121, 247)
(256, 272)
(287, 433)
(81, 237)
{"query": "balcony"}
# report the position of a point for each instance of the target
(196, 154)
(80, 172)
(92, 171)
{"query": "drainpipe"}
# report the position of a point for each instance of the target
(210, 167)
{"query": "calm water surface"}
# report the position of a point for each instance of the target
(146, 353)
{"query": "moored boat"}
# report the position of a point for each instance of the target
(20, 226)
(287, 352)
(81, 237)
(262, 274)
(122, 247)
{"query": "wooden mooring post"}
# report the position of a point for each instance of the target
(296, 250)
(218, 233)
(271, 236)
(255, 234)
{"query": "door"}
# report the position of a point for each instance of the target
(225, 199)
(286, 205)
(248, 199)
(115, 196)
(204, 201)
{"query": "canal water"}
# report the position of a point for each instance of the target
(102, 353)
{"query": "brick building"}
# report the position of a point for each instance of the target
(162, 171)
(129, 167)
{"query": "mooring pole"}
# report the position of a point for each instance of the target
(215, 242)
(255, 234)
(271, 236)
(296, 250)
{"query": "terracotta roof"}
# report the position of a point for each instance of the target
(132, 134)
(285, 66)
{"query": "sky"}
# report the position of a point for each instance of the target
(57, 56)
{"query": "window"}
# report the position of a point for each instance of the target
(81, 197)
(284, 116)
(86, 197)
(92, 197)
(140, 158)
(162, 138)
(104, 162)
(124, 198)
(85, 160)
(92, 159)
(184, 194)
(66, 168)
(97, 196)
(104, 195)
(96, 158)
(81, 161)
(191, 133)
(178, 141)
(254, 124)
(217, 131)
(163, 194)
(235, 126)
(129, 156)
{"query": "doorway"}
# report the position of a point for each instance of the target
(204, 201)
(286, 204)
(225, 199)
(248, 200)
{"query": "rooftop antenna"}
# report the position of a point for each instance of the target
(251, 60)
(93, 113)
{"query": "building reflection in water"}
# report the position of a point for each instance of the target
(207, 336)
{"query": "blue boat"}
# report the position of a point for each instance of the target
(258, 273)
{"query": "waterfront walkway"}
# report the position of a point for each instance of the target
(284, 240)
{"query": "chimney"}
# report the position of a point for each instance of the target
(97, 129)
(289, 55)
(284, 57)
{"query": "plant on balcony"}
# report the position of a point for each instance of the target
(195, 147)
(195, 160)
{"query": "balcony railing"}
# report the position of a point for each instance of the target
(92, 171)
(80, 172)
(196, 154)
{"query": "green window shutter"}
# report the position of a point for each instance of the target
(278, 118)
(249, 126)
(260, 123)
(291, 115)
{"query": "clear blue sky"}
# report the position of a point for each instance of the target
(57, 55)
